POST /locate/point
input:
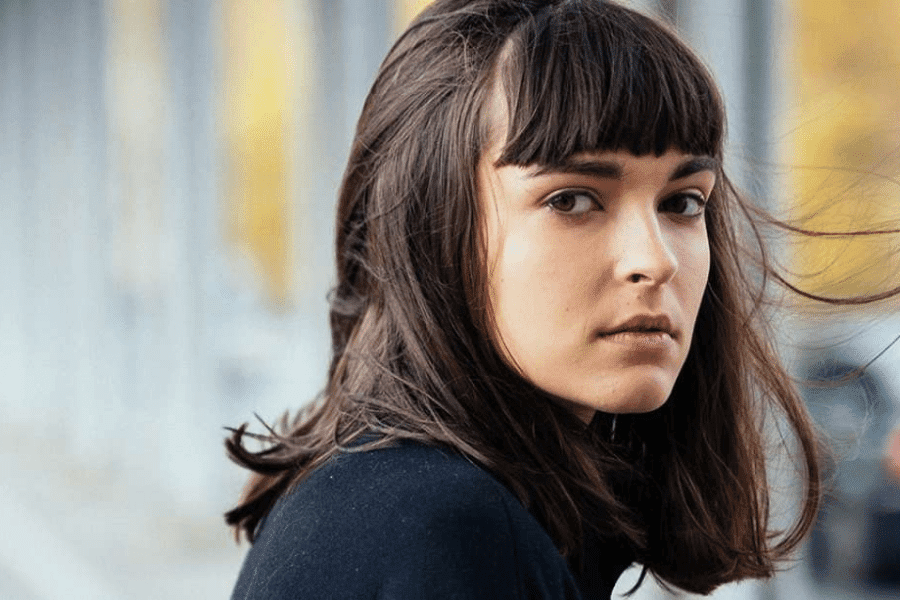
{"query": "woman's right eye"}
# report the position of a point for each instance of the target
(573, 202)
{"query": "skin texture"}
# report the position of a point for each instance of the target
(574, 253)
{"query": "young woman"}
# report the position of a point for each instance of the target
(548, 359)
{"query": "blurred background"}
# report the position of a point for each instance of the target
(167, 182)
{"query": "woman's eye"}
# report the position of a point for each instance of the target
(684, 204)
(573, 202)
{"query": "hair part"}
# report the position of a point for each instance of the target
(412, 356)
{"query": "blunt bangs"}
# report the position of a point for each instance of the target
(580, 77)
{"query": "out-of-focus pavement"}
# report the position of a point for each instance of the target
(72, 532)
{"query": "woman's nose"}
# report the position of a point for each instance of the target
(645, 254)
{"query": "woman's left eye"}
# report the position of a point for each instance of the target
(573, 202)
(684, 204)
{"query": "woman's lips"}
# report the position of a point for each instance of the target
(640, 340)
(645, 339)
(643, 335)
(654, 326)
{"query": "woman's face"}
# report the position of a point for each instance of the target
(596, 270)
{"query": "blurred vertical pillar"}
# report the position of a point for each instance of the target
(52, 205)
(260, 201)
(719, 31)
(88, 218)
(764, 72)
(352, 39)
(305, 156)
(292, 100)
(193, 226)
(146, 274)
(16, 346)
(258, 119)
(46, 181)
(339, 45)
(166, 231)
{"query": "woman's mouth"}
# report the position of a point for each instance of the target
(643, 327)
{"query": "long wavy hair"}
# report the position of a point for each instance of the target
(686, 485)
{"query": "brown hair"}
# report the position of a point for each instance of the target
(685, 485)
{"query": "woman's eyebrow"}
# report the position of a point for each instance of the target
(605, 169)
(695, 165)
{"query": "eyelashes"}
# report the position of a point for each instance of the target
(573, 202)
(579, 202)
(685, 204)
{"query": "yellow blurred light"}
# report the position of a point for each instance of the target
(406, 10)
(258, 70)
(847, 143)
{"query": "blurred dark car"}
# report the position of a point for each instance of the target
(857, 537)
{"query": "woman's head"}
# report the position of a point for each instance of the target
(516, 85)
(421, 338)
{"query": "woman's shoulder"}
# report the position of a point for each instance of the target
(411, 520)
(408, 484)
(403, 469)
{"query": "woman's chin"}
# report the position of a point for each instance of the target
(644, 398)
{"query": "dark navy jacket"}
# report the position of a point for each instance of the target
(412, 522)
